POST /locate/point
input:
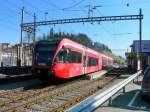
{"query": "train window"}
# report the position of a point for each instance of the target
(62, 55)
(92, 61)
(46, 47)
(68, 56)
(75, 57)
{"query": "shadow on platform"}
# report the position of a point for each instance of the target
(127, 101)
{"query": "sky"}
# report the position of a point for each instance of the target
(117, 35)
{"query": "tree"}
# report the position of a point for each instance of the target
(80, 38)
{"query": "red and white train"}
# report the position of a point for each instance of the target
(67, 59)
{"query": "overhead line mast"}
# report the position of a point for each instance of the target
(140, 38)
(19, 61)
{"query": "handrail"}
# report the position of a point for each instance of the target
(94, 102)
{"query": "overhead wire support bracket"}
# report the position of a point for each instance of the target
(78, 20)
(28, 29)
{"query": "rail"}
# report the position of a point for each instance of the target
(94, 102)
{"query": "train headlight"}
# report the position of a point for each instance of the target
(50, 72)
(52, 64)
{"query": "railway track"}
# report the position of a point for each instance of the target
(11, 97)
(53, 98)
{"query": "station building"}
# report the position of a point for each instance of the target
(133, 55)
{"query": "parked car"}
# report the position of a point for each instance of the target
(145, 87)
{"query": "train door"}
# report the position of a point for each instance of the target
(84, 62)
(100, 62)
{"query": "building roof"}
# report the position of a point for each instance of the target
(145, 46)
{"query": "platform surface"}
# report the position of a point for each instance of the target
(96, 75)
(129, 102)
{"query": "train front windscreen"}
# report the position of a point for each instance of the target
(44, 53)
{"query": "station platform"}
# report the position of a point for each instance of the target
(96, 75)
(130, 101)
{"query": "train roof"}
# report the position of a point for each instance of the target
(80, 45)
(71, 42)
